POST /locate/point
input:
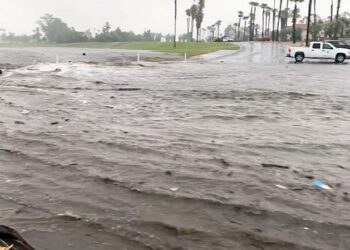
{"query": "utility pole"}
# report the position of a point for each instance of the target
(175, 24)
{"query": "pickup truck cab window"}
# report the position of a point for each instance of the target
(316, 46)
(327, 46)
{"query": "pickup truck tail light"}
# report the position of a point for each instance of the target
(289, 50)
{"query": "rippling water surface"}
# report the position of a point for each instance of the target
(170, 156)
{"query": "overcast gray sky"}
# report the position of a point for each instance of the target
(20, 15)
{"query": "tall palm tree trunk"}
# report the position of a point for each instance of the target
(338, 9)
(332, 7)
(175, 24)
(192, 28)
(251, 25)
(263, 22)
(294, 22)
(239, 28)
(279, 20)
(315, 16)
(244, 30)
(188, 29)
(266, 24)
(273, 20)
(269, 26)
(254, 31)
(197, 36)
(287, 13)
(308, 23)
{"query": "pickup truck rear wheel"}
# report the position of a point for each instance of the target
(299, 57)
(340, 58)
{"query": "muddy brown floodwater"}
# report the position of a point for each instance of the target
(212, 155)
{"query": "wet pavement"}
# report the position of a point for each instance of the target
(250, 52)
(212, 154)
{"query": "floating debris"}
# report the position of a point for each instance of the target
(128, 89)
(281, 187)
(19, 122)
(174, 189)
(168, 172)
(70, 215)
(320, 184)
(274, 166)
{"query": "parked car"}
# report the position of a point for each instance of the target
(339, 44)
(224, 39)
(319, 50)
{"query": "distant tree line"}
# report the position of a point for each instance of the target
(53, 30)
(275, 19)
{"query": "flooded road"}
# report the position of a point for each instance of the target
(214, 155)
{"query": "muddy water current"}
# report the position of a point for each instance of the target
(202, 155)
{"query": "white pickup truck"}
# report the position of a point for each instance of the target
(319, 50)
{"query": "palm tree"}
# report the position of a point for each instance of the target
(235, 25)
(263, 6)
(218, 24)
(284, 20)
(332, 6)
(256, 4)
(295, 15)
(257, 27)
(288, 13)
(199, 17)
(251, 21)
(267, 20)
(315, 14)
(273, 19)
(212, 31)
(279, 20)
(253, 16)
(245, 18)
(188, 13)
(308, 23)
(240, 15)
(338, 9)
(194, 10)
(175, 24)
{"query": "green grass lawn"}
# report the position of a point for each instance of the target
(191, 49)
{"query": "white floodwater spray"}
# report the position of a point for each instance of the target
(57, 59)
(185, 57)
(138, 58)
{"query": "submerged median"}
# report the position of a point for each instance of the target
(191, 49)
